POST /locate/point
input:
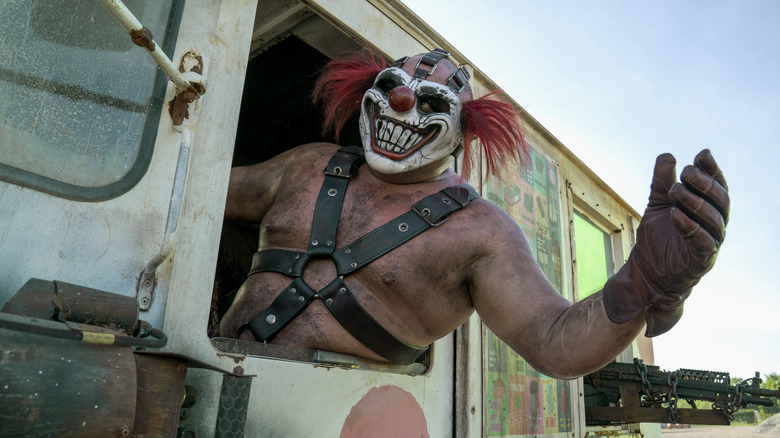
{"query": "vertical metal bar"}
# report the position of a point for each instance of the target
(148, 279)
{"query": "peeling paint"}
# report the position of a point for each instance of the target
(143, 38)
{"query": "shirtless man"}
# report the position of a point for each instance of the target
(479, 259)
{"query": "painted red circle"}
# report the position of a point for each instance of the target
(386, 411)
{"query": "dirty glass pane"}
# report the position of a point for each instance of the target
(594, 256)
(79, 102)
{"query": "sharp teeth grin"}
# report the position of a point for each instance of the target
(397, 140)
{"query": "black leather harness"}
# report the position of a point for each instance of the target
(431, 211)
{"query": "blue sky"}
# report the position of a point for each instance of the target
(621, 82)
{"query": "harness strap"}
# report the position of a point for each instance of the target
(285, 307)
(340, 168)
(360, 324)
(431, 211)
(344, 307)
(290, 263)
(429, 60)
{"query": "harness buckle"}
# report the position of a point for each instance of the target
(425, 214)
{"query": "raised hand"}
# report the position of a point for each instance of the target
(677, 242)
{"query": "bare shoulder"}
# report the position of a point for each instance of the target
(310, 152)
(253, 188)
(497, 245)
(493, 225)
(301, 156)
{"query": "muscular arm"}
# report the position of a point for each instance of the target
(517, 302)
(677, 243)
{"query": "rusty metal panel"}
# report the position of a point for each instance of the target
(47, 299)
(58, 387)
(160, 394)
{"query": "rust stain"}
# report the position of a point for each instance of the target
(191, 61)
(178, 108)
(236, 358)
(143, 38)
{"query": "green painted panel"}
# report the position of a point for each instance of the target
(594, 256)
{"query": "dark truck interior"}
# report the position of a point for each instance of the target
(277, 114)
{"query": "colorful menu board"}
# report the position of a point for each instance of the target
(519, 400)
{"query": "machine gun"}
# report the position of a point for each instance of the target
(637, 393)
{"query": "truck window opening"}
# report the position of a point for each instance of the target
(276, 115)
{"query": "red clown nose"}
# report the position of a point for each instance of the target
(402, 99)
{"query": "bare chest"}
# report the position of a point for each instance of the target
(416, 265)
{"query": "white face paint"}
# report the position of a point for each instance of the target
(412, 131)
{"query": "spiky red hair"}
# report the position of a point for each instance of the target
(495, 124)
(341, 86)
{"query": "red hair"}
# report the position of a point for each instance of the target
(494, 122)
(341, 86)
(490, 119)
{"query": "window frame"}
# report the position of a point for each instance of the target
(148, 137)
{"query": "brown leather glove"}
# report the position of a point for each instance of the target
(677, 241)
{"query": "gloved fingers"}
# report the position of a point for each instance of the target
(699, 211)
(664, 176)
(707, 187)
(706, 162)
(695, 236)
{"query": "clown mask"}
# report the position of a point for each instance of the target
(410, 117)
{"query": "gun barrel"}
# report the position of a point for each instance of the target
(747, 400)
(762, 392)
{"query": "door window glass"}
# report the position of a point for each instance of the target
(80, 102)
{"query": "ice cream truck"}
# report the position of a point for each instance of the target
(119, 125)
